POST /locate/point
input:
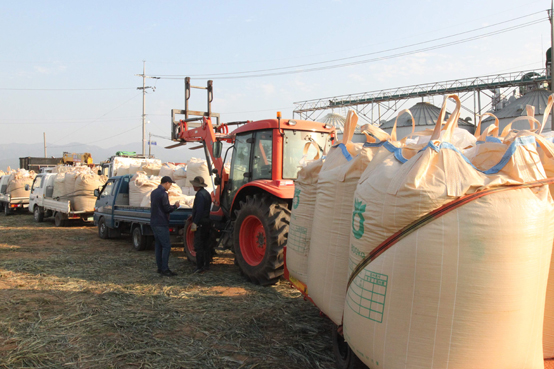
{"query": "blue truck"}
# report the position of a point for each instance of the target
(114, 216)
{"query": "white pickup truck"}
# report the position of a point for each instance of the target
(42, 204)
(9, 204)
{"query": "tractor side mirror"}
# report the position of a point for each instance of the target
(96, 193)
(27, 188)
(99, 172)
(247, 175)
(217, 149)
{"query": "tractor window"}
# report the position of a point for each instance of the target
(241, 161)
(295, 144)
(263, 148)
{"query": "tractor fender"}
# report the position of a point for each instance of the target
(282, 189)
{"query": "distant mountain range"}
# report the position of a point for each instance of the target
(10, 153)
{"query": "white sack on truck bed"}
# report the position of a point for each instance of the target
(151, 169)
(198, 167)
(180, 176)
(460, 289)
(85, 184)
(59, 186)
(140, 186)
(167, 169)
(17, 181)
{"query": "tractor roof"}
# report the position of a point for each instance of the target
(301, 125)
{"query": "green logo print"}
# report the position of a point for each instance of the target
(359, 210)
(296, 199)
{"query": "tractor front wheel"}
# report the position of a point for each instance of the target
(260, 232)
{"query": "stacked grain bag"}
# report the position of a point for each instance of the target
(332, 218)
(83, 194)
(77, 185)
(456, 287)
(546, 152)
(135, 166)
(140, 186)
(180, 176)
(198, 167)
(59, 186)
(301, 220)
(17, 180)
(167, 169)
(151, 169)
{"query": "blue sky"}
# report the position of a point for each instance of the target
(101, 45)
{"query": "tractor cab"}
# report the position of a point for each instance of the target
(272, 155)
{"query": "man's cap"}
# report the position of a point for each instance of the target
(166, 179)
(198, 182)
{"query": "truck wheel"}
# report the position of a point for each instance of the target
(103, 230)
(189, 243)
(260, 233)
(140, 241)
(38, 214)
(59, 220)
(345, 358)
(7, 210)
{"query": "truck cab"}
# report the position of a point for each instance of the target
(114, 216)
(42, 187)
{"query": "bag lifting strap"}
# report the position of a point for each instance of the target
(437, 213)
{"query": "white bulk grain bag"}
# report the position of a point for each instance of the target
(464, 290)
(167, 169)
(151, 169)
(301, 219)
(180, 176)
(328, 249)
(140, 186)
(17, 181)
(85, 184)
(122, 170)
(135, 166)
(59, 186)
(197, 167)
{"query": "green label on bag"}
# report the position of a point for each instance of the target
(296, 199)
(367, 295)
(359, 210)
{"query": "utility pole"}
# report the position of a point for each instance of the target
(44, 136)
(149, 144)
(143, 88)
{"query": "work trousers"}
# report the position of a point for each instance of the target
(163, 247)
(202, 245)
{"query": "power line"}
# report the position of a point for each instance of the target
(70, 122)
(234, 75)
(66, 89)
(86, 125)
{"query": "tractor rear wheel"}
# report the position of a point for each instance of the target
(189, 242)
(260, 232)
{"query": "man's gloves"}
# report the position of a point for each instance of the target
(193, 227)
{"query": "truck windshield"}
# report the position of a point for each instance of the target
(296, 143)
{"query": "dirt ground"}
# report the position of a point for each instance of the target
(71, 300)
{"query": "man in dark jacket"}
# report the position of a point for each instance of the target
(201, 224)
(159, 221)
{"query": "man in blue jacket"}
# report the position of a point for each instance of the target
(159, 221)
(201, 224)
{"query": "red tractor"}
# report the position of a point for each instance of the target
(252, 200)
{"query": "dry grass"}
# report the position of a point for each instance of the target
(71, 300)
